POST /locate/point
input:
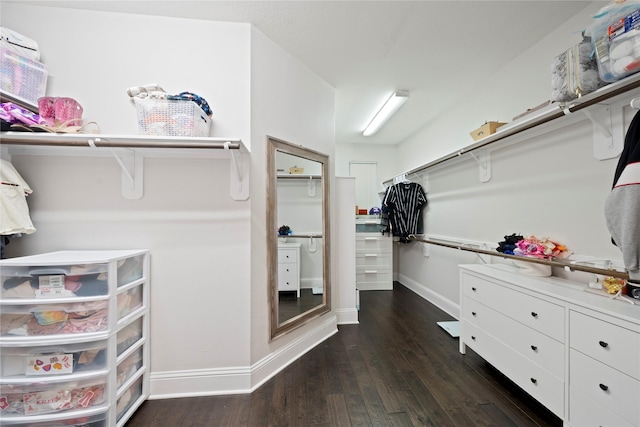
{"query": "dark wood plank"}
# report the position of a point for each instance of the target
(396, 368)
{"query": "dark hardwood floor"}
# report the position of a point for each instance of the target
(396, 368)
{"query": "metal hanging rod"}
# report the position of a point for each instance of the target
(555, 111)
(116, 141)
(567, 265)
(301, 236)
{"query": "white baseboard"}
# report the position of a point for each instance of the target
(347, 316)
(438, 300)
(237, 380)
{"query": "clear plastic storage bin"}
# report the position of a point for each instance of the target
(40, 398)
(20, 76)
(54, 319)
(45, 361)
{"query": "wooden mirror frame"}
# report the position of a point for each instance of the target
(277, 329)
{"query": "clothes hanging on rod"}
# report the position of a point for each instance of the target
(14, 212)
(622, 207)
(403, 203)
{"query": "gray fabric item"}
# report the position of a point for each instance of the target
(622, 214)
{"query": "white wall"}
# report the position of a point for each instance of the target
(385, 155)
(290, 103)
(199, 238)
(547, 184)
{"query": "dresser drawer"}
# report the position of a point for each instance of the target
(536, 313)
(544, 387)
(288, 277)
(611, 344)
(372, 280)
(287, 255)
(372, 242)
(618, 392)
(531, 344)
(586, 412)
(374, 260)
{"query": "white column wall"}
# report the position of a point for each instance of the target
(290, 103)
(199, 238)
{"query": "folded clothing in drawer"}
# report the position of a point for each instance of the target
(48, 319)
(52, 283)
(43, 398)
(48, 360)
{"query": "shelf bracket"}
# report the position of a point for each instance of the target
(311, 187)
(131, 164)
(484, 165)
(608, 129)
(239, 184)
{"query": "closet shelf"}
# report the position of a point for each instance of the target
(130, 153)
(565, 264)
(606, 96)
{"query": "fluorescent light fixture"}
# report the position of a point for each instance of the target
(388, 109)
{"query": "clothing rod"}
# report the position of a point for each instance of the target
(599, 96)
(113, 141)
(301, 236)
(552, 263)
(484, 142)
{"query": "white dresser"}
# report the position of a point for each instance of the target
(374, 256)
(576, 352)
(289, 267)
(74, 338)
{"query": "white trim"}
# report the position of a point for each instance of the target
(347, 316)
(438, 300)
(237, 380)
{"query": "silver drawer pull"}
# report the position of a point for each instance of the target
(603, 344)
(371, 238)
(370, 271)
(603, 387)
(371, 222)
(370, 255)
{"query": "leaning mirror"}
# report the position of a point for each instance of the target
(297, 235)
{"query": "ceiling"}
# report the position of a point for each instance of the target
(437, 50)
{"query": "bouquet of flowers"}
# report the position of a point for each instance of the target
(540, 247)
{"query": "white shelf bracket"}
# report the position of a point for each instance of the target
(311, 187)
(484, 165)
(239, 184)
(608, 129)
(132, 166)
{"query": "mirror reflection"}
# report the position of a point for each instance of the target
(297, 206)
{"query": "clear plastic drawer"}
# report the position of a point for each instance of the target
(130, 269)
(99, 420)
(129, 335)
(40, 398)
(52, 360)
(54, 319)
(128, 398)
(63, 281)
(129, 366)
(129, 301)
